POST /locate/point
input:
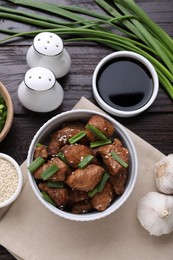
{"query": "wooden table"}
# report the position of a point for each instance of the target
(155, 125)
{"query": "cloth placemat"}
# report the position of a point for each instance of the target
(31, 232)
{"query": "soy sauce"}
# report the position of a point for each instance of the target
(125, 84)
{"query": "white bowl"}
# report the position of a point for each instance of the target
(20, 180)
(118, 111)
(73, 115)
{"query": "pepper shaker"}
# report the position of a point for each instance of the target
(39, 91)
(48, 51)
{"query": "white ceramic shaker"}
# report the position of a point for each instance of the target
(48, 51)
(39, 91)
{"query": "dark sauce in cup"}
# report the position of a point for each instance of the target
(125, 84)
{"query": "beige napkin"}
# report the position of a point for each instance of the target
(31, 232)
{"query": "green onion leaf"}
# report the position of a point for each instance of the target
(103, 181)
(99, 188)
(93, 192)
(100, 143)
(49, 172)
(62, 157)
(86, 160)
(47, 198)
(55, 184)
(77, 137)
(118, 159)
(97, 132)
(36, 164)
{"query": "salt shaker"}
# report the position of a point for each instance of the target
(48, 51)
(39, 91)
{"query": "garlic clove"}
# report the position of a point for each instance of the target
(164, 174)
(155, 213)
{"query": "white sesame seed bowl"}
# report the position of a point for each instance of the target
(11, 180)
(55, 123)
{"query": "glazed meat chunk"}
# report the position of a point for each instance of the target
(101, 124)
(113, 166)
(75, 153)
(85, 179)
(59, 175)
(118, 182)
(60, 138)
(103, 199)
(41, 151)
(82, 207)
(60, 195)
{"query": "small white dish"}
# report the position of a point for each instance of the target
(122, 83)
(16, 193)
(48, 51)
(75, 116)
(39, 91)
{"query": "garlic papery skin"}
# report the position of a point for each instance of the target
(164, 174)
(155, 213)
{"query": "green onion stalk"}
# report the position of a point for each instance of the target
(123, 26)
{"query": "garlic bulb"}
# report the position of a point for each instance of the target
(164, 174)
(155, 213)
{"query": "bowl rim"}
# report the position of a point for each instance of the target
(20, 180)
(146, 63)
(120, 200)
(7, 98)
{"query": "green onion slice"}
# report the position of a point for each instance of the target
(86, 160)
(103, 181)
(97, 132)
(118, 159)
(36, 164)
(100, 143)
(55, 184)
(49, 172)
(48, 198)
(77, 137)
(100, 186)
(62, 157)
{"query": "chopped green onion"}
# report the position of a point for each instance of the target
(99, 188)
(77, 137)
(47, 198)
(118, 159)
(49, 172)
(97, 132)
(55, 184)
(62, 157)
(100, 143)
(3, 113)
(36, 164)
(86, 160)
(103, 181)
(93, 192)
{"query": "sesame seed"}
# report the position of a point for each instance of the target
(8, 180)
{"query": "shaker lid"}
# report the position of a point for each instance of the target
(39, 79)
(47, 43)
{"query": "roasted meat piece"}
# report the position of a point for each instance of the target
(41, 151)
(75, 153)
(85, 179)
(118, 182)
(82, 207)
(60, 138)
(112, 165)
(103, 199)
(59, 175)
(60, 195)
(102, 124)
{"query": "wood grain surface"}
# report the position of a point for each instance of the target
(155, 125)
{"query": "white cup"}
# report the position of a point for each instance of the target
(48, 51)
(39, 91)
